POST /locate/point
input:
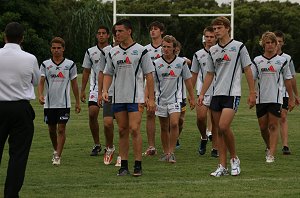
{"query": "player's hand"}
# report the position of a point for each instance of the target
(41, 100)
(251, 100)
(192, 102)
(151, 105)
(146, 101)
(99, 99)
(82, 96)
(291, 104)
(200, 100)
(105, 96)
(77, 108)
(297, 100)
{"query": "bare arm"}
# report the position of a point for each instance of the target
(189, 86)
(252, 94)
(289, 89)
(194, 78)
(150, 87)
(75, 90)
(100, 86)
(85, 77)
(295, 90)
(107, 80)
(41, 90)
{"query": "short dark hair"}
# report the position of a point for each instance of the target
(279, 34)
(14, 32)
(104, 28)
(126, 23)
(222, 21)
(208, 29)
(158, 24)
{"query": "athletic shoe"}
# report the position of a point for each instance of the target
(108, 155)
(286, 150)
(172, 158)
(56, 161)
(123, 172)
(209, 135)
(137, 171)
(235, 166)
(202, 147)
(270, 159)
(53, 155)
(221, 171)
(118, 162)
(164, 158)
(96, 150)
(214, 153)
(150, 151)
(177, 144)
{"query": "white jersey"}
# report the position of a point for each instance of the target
(128, 66)
(169, 77)
(106, 51)
(57, 87)
(269, 74)
(199, 66)
(154, 52)
(227, 63)
(292, 69)
(93, 59)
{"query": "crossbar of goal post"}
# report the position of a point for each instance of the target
(115, 15)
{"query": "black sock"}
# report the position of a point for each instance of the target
(138, 164)
(124, 164)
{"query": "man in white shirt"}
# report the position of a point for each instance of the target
(19, 74)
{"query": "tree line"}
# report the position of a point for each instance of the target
(76, 21)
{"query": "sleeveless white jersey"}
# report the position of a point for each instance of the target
(227, 63)
(128, 66)
(292, 69)
(93, 59)
(269, 75)
(57, 86)
(199, 66)
(169, 78)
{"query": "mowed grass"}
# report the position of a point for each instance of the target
(83, 176)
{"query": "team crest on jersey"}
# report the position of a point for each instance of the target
(50, 67)
(157, 56)
(178, 66)
(116, 53)
(278, 62)
(261, 61)
(93, 53)
(135, 52)
(269, 69)
(232, 49)
(202, 56)
(160, 66)
(214, 52)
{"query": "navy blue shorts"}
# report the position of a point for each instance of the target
(220, 102)
(129, 107)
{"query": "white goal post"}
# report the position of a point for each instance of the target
(115, 15)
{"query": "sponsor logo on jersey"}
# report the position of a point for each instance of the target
(269, 69)
(126, 61)
(226, 57)
(135, 52)
(157, 56)
(172, 73)
(160, 66)
(59, 75)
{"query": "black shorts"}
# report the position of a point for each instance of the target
(183, 105)
(92, 103)
(107, 108)
(285, 104)
(263, 109)
(220, 102)
(56, 115)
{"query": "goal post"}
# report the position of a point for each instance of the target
(231, 15)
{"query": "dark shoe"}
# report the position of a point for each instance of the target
(202, 147)
(123, 172)
(177, 144)
(96, 150)
(214, 153)
(286, 150)
(137, 171)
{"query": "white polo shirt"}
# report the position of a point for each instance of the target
(19, 73)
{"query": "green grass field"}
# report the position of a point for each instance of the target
(80, 175)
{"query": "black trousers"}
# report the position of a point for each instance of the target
(16, 124)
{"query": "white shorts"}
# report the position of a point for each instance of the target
(207, 100)
(166, 110)
(93, 96)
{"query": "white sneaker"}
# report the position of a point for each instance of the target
(108, 155)
(270, 159)
(118, 163)
(54, 155)
(221, 171)
(235, 166)
(56, 161)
